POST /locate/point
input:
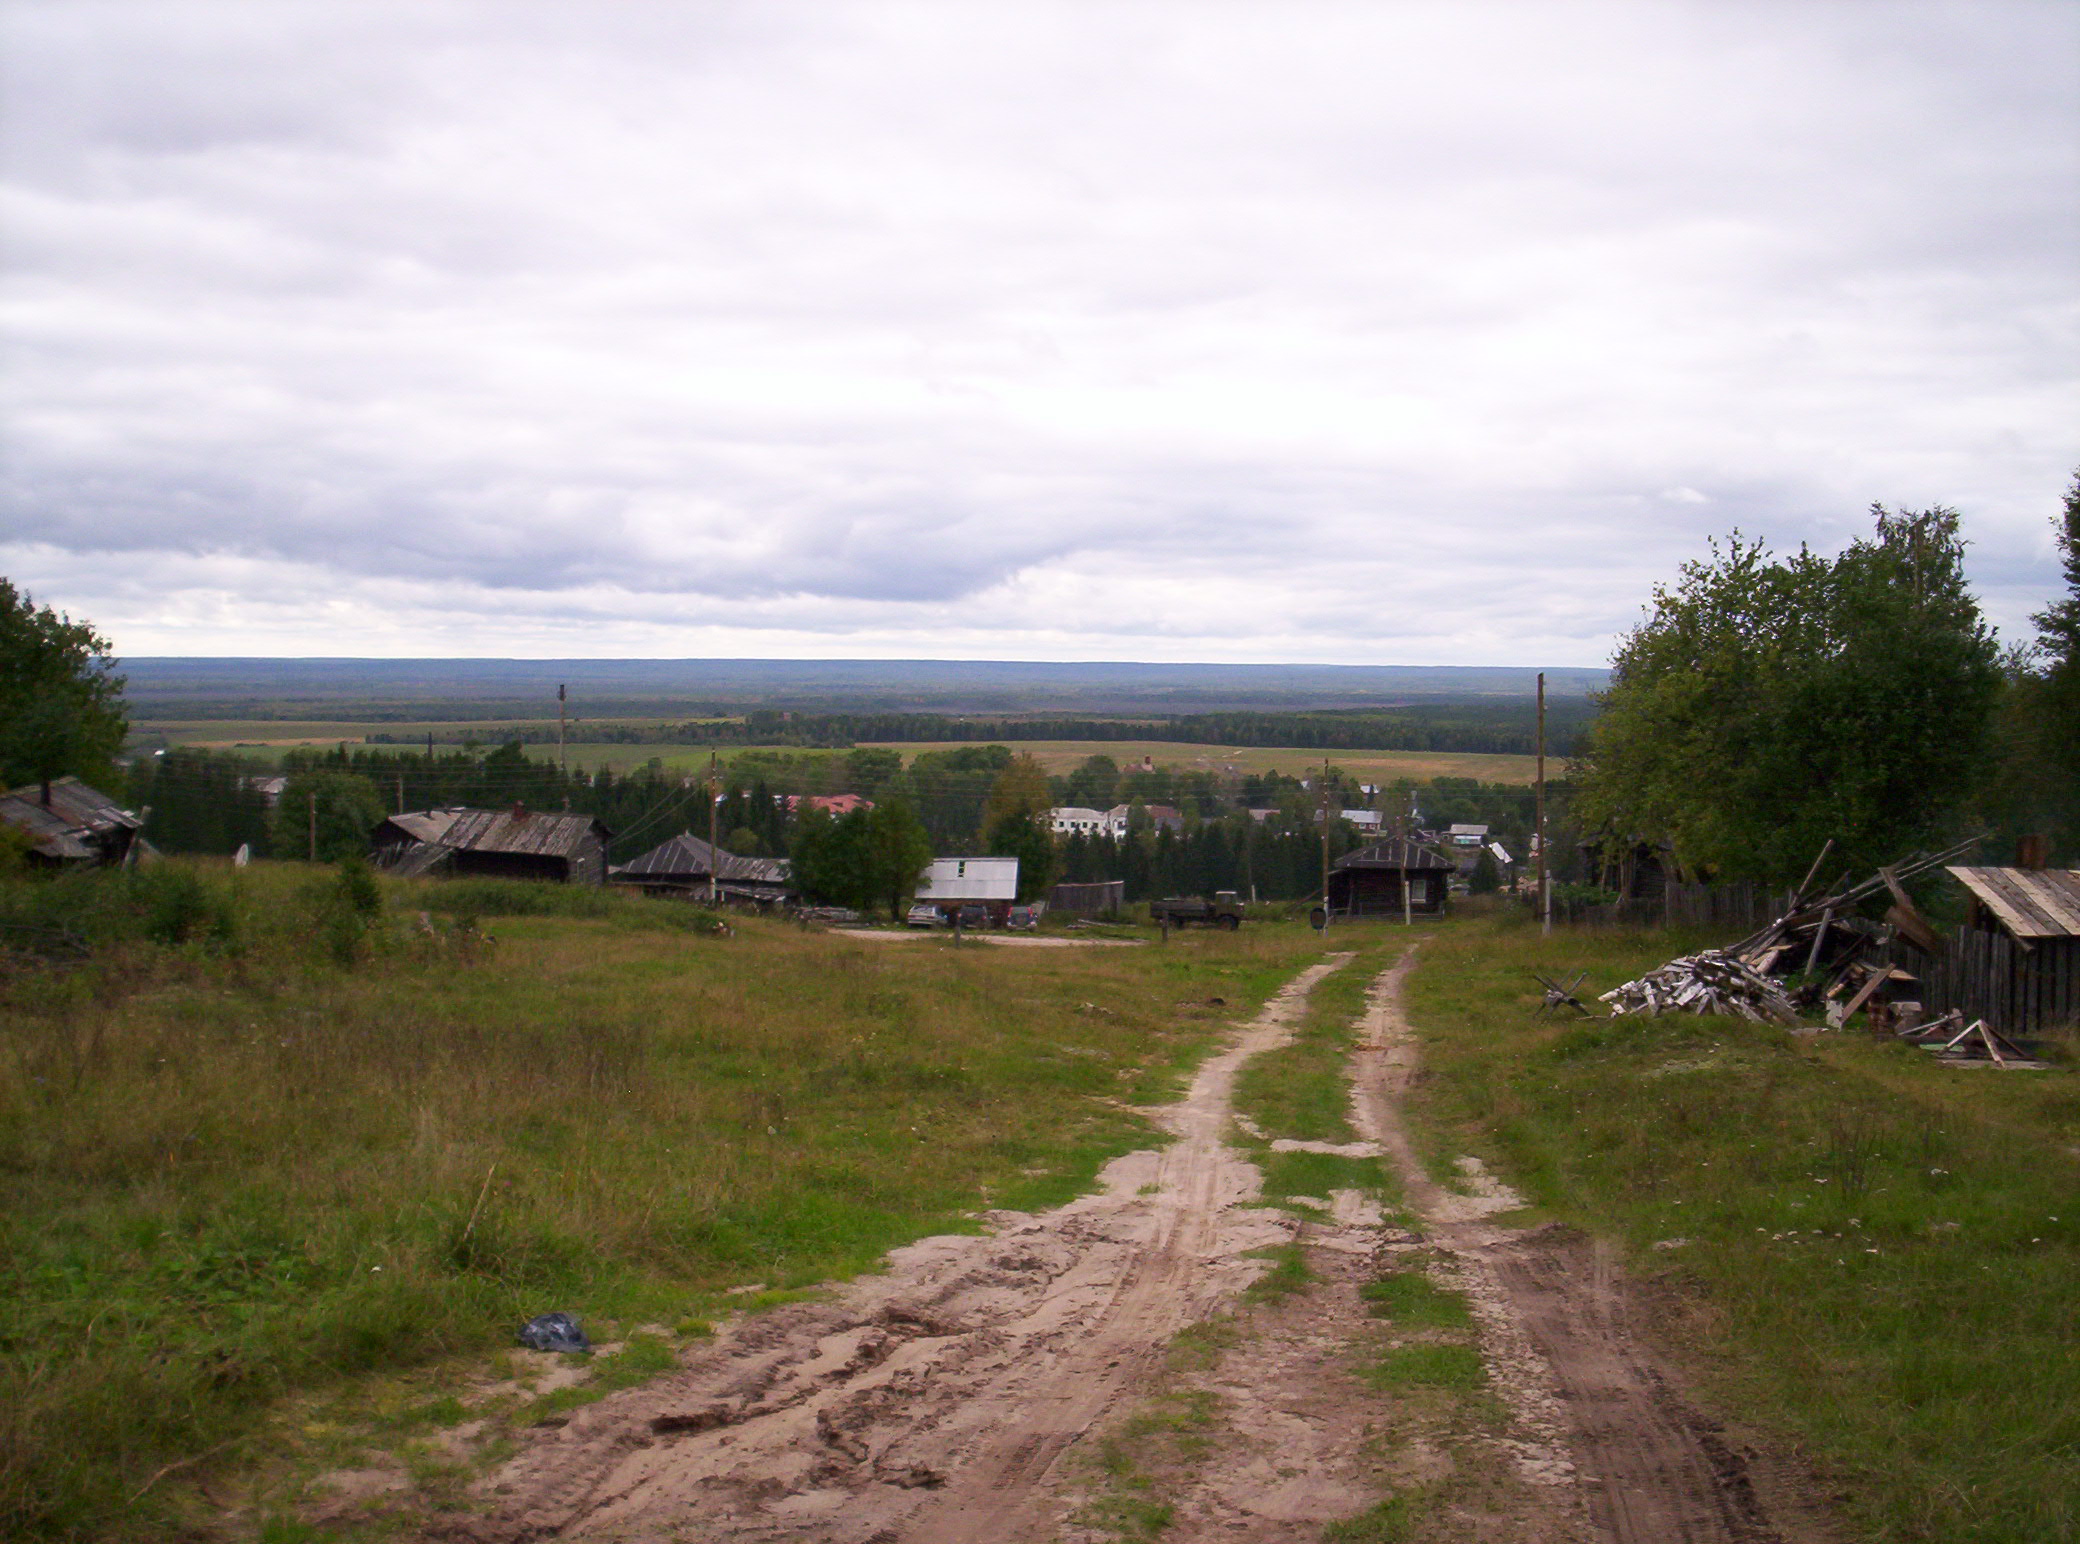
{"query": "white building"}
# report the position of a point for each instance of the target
(1075, 820)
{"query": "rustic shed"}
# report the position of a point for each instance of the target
(70, 825)
(1370, 881)
(1095, 898)
(686, 865)
(2016, 962)
(518, 843)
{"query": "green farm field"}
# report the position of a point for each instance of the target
(266, 738)
(1059, 756)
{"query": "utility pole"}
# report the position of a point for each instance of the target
(563, 760)
(1408, 853)
(714, 805)
(1325, 835)
(400, 793)
(313, 797)
(1545, 879)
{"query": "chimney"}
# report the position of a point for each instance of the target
(519, 812)
(2033, 851)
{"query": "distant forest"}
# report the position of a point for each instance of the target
(1499, 728)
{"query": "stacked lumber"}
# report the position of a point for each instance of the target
(1716, 981)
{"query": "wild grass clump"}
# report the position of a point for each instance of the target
(242, 1175)
(1881, 1252)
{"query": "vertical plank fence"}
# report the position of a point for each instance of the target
(1737, 907)
(1988, 975)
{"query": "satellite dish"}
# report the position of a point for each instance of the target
(243, 856)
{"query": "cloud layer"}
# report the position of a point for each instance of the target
(1395, 332)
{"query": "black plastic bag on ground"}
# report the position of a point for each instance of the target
(553, 1332)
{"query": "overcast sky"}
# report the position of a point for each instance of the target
(1367, 332)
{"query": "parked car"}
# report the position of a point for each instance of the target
(922, 915)
(974, 914)
(1027, 917)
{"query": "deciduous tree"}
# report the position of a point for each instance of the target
(1766, 705)
(61, 700)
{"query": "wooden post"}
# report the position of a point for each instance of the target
(1325, 833)
(400, 793)
(313, 797)
(563, 760)
(1545, 881)
(714, 861)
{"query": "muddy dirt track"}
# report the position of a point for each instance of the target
(935, 1403)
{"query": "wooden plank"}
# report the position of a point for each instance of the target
(1878, 979)
(1997, 899)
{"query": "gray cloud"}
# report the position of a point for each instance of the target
(1038, 328)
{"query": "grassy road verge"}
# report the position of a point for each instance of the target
(1875, 1255)
(260, 1142)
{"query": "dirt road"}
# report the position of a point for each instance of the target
(934, 1403)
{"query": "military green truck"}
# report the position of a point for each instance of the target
(1224, 910)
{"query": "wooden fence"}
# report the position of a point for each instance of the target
(1987, 975)
(1740, 908)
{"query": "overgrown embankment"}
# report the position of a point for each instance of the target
(1873, 1254)
(271, 1129)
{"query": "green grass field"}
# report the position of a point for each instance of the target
(271, 737)
(243, 1172)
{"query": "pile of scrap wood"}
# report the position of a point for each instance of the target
(1715, 981)
(1979, 1042)
(1823, 939)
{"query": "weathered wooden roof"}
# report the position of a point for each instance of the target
(2029, 903)
(1396, 852)
(688, 857)
(424, 825)
(521, 831)
(65, 827)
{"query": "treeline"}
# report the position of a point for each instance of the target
(213, 802)
(1506, 728)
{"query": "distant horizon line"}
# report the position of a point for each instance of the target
(818, 659)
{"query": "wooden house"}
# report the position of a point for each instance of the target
(1372, 881)
(688, 866)
(70, 825)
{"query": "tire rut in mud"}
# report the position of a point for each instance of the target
(927, 1404)
(1590, 1404)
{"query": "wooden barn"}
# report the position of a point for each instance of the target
(688, 866)
(1370, 881)
(518, 843)
(2016, 962)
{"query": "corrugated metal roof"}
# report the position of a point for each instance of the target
(970, 879)
(2029, 903)
(1396, 852)
(546, 836)
(687, 856)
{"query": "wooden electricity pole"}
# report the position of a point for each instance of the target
(1545, 879)
(714, 808)
(563, 760)
(314, 824)
(1325, 835)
